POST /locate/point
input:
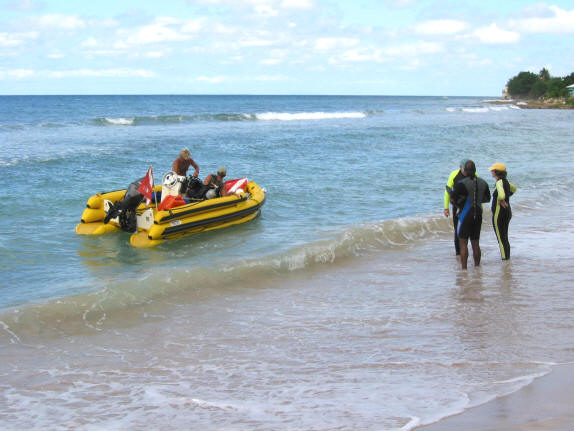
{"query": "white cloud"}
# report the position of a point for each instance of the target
(101, 73)
(412, 49)
(59, 21)
(16, 39)
(297, 4)
(160, 31)
(495, 35)
(328, 43)
(440, 27)
(90, 42)
(270, 78)
(550, 20)
(193, 25)
(16, 73)
(24, 5)
(356, 56)
(399, 3)
(211, 79)
(404, 53)
(266, 10)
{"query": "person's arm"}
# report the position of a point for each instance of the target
(500, 190)
(486, 197)
(208, 179)
(512, 188)
(175, 166)
(448, 192)
(196, 173)
(223, 191)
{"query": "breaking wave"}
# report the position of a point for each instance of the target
(93, 310)
(223, 117)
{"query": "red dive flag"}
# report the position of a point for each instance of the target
(146, 186)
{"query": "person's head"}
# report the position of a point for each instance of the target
(462, 163)
(185, 154)
(470, 169)
(498, 170)
(221, 172)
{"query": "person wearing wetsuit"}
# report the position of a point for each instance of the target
(501, 211)
(216, 184)
(453, 178)
(469, 194)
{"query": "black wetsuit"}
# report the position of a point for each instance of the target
(501, 216)
(469, 194)
(454, 178)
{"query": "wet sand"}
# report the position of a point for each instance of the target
(546, 404)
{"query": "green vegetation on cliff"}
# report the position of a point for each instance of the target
(532, 86)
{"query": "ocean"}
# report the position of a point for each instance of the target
(342, 306)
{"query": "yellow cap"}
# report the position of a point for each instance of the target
(498, 167)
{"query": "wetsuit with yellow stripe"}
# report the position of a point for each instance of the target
(453, 178)
(501, 216)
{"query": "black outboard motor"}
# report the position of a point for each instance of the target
(126, 208)
(196, 189)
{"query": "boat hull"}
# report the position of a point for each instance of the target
(155, 227)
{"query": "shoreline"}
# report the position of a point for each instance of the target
(545, 404)
(533, 104)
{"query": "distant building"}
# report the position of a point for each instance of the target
(505, 92)
(571, 89)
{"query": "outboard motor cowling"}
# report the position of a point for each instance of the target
(126, 208)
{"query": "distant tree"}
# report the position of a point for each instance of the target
(568, 80)
(538, 89)
(556, 88)
(544, 74)
(522, 84)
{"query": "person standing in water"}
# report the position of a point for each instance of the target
(469, 194)
(501, 211)
(453, 178)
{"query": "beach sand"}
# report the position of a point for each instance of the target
(546, 404)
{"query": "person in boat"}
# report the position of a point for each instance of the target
(216, 184)
(180, 166)
(469, 194)
(183, 162)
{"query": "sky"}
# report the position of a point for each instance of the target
(347, 47)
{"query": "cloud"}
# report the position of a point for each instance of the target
(16, 39)
(495, 35)
(440, 27)
(15, 73)
(24, 5)
(59, 21)
(75, 73)
(270, 78)
(297, 4)
(163, 29)
(211, 79)
(329, 43)
(102, 73)
(549, 19)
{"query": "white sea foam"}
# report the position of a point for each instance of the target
(121, 121)
(475, 110)
(287, 116)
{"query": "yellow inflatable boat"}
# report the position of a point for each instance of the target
(152, 224)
